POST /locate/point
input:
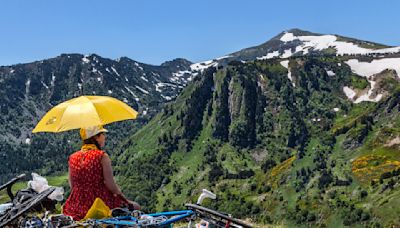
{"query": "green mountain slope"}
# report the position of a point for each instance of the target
(276, 149)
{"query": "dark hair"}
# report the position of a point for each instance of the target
(92, 140)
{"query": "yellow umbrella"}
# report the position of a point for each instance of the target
(83, 112)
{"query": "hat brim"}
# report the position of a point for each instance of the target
(103, 130)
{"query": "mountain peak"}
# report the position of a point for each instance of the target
(297, 42)
(176, 61)
(299, 32)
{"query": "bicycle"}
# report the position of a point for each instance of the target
(210, 217)
(21, 203)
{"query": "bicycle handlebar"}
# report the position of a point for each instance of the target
(9, 185)
(196, 208)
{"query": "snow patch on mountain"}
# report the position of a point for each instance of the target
(203, 65)
(287, 53)
(367, 69)
(330, 73)
(44, 84)
(85, 59)
(269, 55)
(144, 79)
(387, 50)
(350, 93)
(168, 98)
(178, 76)
(27, 84)
(141, 89)
(328, 41)
(181, 73)
(287, 37)
(367, 96)
(285, 64)
(161, 84)
(223, 57)
(130, 91)
(195, 69)
(137, 64)
(53, 79)
(95, 59)
(115, 71)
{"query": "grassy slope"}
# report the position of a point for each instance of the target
(382, 204)
(282, 200)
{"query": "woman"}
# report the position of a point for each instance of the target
(91, 176)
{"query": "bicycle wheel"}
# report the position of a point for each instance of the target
(217, 218)
(12, 214)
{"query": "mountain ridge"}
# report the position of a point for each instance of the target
(280, 140)
(276, 48)
(274, 136)
(29, 90)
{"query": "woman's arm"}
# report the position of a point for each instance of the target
(110, 183)
(109, 176)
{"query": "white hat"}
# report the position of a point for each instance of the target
(91, 131)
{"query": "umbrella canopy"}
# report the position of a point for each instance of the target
(83, 112)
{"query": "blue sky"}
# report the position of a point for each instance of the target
(152, 31)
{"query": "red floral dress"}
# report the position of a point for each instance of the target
(86, 173)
